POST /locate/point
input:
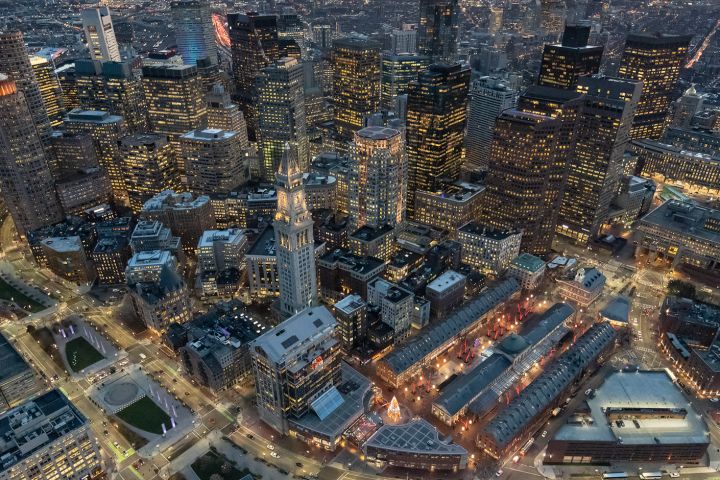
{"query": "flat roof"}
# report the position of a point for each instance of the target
(638, 391)
(63, 244)
(617, 309)
(416, 436)
(476, 228)
(350, 304)
(685, 219)
(377, 133)
(297, 330)
(265, 243)
(11, 362)
(446, 280)
(35, 424)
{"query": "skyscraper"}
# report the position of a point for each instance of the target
(525, 178)
(563, 64)
(281, 115)
(378, 178)
(254, 45)
(436, 114)
(100, 34)
(356, 83)
(50, 90)
(214, 160)
(223, 114)
(398, 70)
(194, 31)
(112, 87)
(105, 130)
(595, 169)
(176, 102)
(294, 238)
(438, 30)
(15, 63)
(25, 178)
(149, 167)
(654, 59)
(489, 96)
(686, 107)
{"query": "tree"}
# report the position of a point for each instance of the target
(679, 288)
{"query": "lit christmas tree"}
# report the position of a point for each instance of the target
(394, 411)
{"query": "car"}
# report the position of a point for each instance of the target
(270, 446)
(516, 458)
(544, 434)
(499, 473)
(274, 455)
(674, 475)
(715, 400)
(298, 464)
(250, 436)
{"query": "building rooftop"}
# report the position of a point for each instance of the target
(265, 243)
(445, 281)
(169, 199)
(476, 228)
(36, 424)
(354, 393)
(63, 244)
(226, 324)
(466, 387)
(209, 135)
(686, 219)
(431, 337)
(529, 262)
(366, 233)
(617, 309)
(150, 258)
(210, 237)
(458, 192)
(417, 436)
(11, 362)
(93, 116)
(349, 261)
(663, 415)
(297, 330)
(544, 390)
(350, 304)
(377, 133)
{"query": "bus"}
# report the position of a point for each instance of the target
(649, 475)
(615, 475)
(527, 446)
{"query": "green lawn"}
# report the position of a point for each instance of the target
(8, 292)
(80, 354)
(145, 415)
(212, 463)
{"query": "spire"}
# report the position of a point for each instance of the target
(289, 165)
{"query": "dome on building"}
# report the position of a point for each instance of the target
(513, 344)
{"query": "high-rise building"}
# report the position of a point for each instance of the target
(72, 152)
(322, 36)
(378, 177)
(254, 45)
(214, 159)
(194, 31)
(26, 181)
(438, 30)
(526, 174)
(489, 96)
(100, 34)
(398, 70)
(403, 40)
(351, 316)
(106, 130)
(686, 107)
(436, 113)
(223, 114)
(602, 132)
(63, 445)
(281, 115)
(294, 365)
(149, 167)
(655, 59)
(356, 83)
(112, 87)
(187, 215)
(50, 90)
(563, 64)
(15, 63)
(176, 102)
(294, 238)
